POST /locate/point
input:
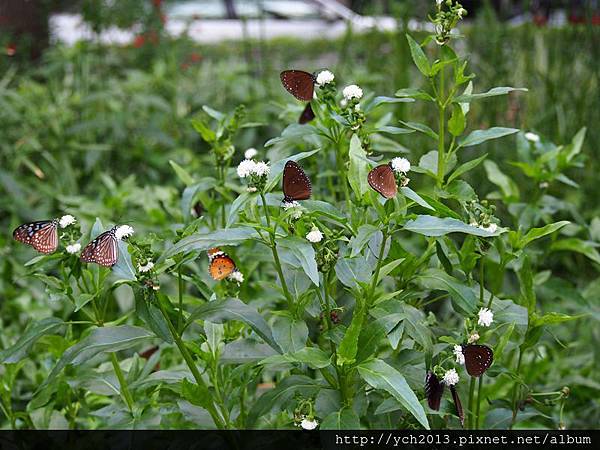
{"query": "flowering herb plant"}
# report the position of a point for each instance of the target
(348, 283)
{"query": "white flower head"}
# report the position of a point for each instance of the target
(236, 276)
(294, 206)
(309, 424)
(486, 317)
(532, 137)
(343, 103)
(289, 205)
(450, 377)
(73, 248)
(325, 77)
(262, 169)
(245, 168)
(251, 189)
(250, 153)
(474, 337)
(400, 165)
(146, 267)
(439, 2)
(352, 91)
(458, 353)
(66, 220)
(123, 231)
(357, 107)
(461, 12)
(314, 235)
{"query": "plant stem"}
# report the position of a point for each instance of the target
(378, 266)
(516, 389)
(122, 382)
(470, 415)
(180, 294)
(210, 406)
(479, 389)
(441, 170)
(273, 246)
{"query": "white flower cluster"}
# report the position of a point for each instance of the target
(249, 167)
(458, 353)
(73, 248)
(352, 92)
(450, 377)
(236, 276)
(400, 165)
(66, 220)
(296, 212)
(474, 337)
(532, 137)
(486, 317)
(123, 231)
(314, 235)
(308, 424)
(325, 77)
(146, 267)
(250, 153)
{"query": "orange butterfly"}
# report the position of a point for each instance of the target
(220, 264)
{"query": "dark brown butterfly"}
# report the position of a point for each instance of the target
(299, 83)
(433, 391)
(41, 235)
(478, 358)
(220, 264)
(307, 115)
(103, 250)
(382, 179)
(459, 409)
(296, 185)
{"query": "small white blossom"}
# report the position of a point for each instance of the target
(314, 235)
(357, 107)
(124, 231)
(251, 189)
(486, 317)
(250, 153)
(458, 353)
(544, 185)
(352, 91)
(262, 169)
(236, 276)
(400, 165)
(492, 227)
(66, 220)
(461, 12)
(288, 205)
(309, 424)
(245, 168)
(73, 248)
(439, 2)
(146, 267)
(343, 103)
(532, 137)
(474, 337)
(450, 377)
(325, 77)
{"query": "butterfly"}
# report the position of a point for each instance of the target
(434, 391)
(459, 409)
(296, 185)
(307, 115)
(41, 235)
(103, 250)
(382, 179)
(299, 83)
(478, 358)
(220, 264)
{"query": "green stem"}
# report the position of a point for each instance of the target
(479, 389)
(180, 295)
(273, 246)
(210, 406)
(516, 390)
(378, 266)
(122, 382)
(441, 133)
(470, 414)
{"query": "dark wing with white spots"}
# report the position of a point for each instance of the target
(382, 179)
(299, 83)
(296, 185)
(41, 235)
(103, 250)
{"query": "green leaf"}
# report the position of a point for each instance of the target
(462, 295)
(304, 252)
(311, 356)
(438, 226)
(362, 238)
(151, 315)
(204, 131)
(344, 419)
(587, 248)
(463, 168)
(221, 311)
(359, 168)
(478, 136)
(189, 194)
(381, 100)
(421, 128)
(552, 318)
(409, 193)
(537, 233)
(414, 93)
(238, 204)
(346, 353)
(418, 56)
(32, 333)
(100, 340)
(503, 90)
(381, 375)
(509, 188)
(124, 269)
(289, 333)
(228, 236)
(183, 175)
(457, 122)
(352, 270)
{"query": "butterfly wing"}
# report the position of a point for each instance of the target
(382, 179)
(433, 391)
(478, 358)
(307, 115)
(459, 409)
(296, 185)
(221, 267)
(299, 83)
(103, 250)
(41, 235)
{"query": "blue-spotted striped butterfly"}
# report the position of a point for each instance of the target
(41, 235)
